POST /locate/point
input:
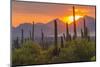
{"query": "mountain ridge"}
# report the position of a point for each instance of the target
(48, 28)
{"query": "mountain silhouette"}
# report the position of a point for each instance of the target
(48, 28)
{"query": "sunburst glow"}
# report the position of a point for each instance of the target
(69, 19)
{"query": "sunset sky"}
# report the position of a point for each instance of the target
(27, 12)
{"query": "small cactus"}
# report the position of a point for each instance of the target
(22, 36)
(42, 37)
(30, 37)
(84, 27)
(87, 34)
(68, 36)
(64, 36)
(82, 35)
(16, 43)
(62, 43)
(33, 32)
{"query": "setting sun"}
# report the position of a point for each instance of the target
(69, 19)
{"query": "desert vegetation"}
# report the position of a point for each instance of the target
(68, 49)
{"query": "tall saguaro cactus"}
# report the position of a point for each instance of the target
(75, 32)
(55, 33)
(55, 52)
(86, 31)
(22, 36)
(33, 32)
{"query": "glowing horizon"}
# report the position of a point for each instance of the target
(24, 12)
(69, 19)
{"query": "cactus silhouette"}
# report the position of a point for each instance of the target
(30, 37)
(33, 32)
(75, 33)
(62, 43)
(25, 39)
(16, 43)
(22, 36)
(85, 28)
(68, 37)
(87, 34)
(64, 36)
(42, 38)
(55, 52)
(86, 31)
(82, 35)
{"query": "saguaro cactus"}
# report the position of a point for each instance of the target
(16, 43)
(86, 31)
(33, 32)
(82, 35)
(64, 36)
(30, 37)
(55, 38)
(75, 33)
(85, 28)
(42, 37)
(67, 32)
(55, 32)
(62, 43)
(87, 34)
(22, 36)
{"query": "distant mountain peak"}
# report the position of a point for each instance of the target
(57, 20)
(49, 27)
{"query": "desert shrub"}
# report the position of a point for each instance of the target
(74, 50)
(93, 58)
(27, 54)
(84, 49)
(65, 55)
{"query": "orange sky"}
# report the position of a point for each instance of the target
(26, 12)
